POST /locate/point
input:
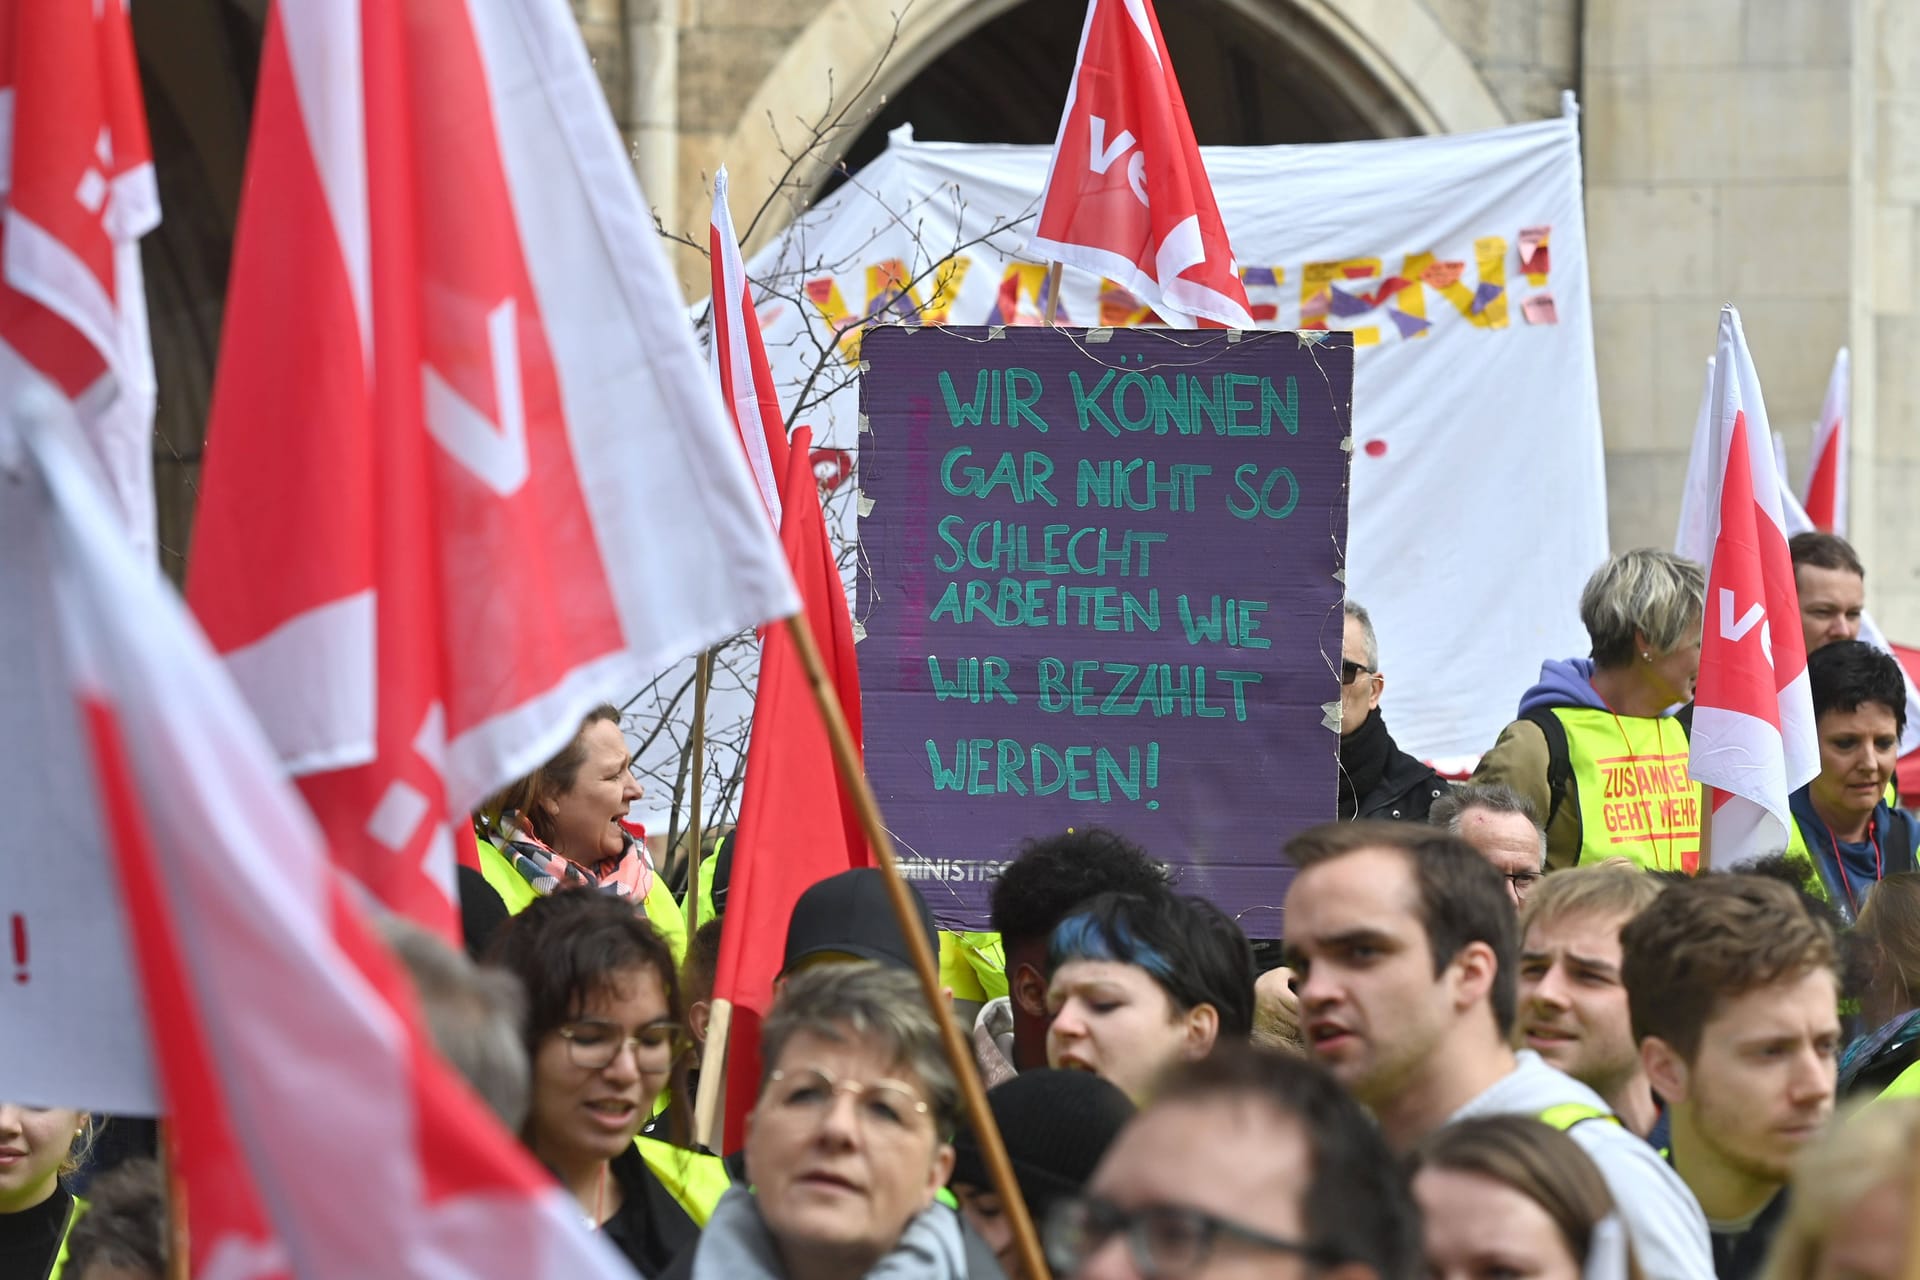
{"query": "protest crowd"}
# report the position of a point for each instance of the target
(1600, 1009)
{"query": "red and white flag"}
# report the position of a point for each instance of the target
(1753, 740)
(1126, 196)
(467, 474)
(78, 192)
(797, 823)
(1826, 502)
(313, 1126)
(739, 357)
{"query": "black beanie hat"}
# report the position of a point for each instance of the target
(1056, 1124)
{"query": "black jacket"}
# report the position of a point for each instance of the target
(1406, 792)
(651, 1228)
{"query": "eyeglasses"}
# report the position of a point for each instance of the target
(1523, 882)
(592, 1045)
(808, 1093)
(1166, 1241)
(1349, 671)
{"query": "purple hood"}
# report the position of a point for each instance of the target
(1564, 682)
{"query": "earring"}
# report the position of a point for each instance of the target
(1645, 656)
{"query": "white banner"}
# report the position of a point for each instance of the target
(1459, 263)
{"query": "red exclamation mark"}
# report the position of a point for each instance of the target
(20, 949)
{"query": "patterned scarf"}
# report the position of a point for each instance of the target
(629, 875)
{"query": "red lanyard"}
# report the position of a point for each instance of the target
(1660, 732)
(1840, 861)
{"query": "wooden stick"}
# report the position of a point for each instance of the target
(702, 677)
(1053, 290)
(846, 759)
(176, 1192)
(713, 1062)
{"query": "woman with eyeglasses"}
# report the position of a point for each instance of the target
(1599, 748)
(604, 1037)
(848, 1143)
(1138, 983)
(1510, 1198)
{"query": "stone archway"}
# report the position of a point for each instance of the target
(1389, 63)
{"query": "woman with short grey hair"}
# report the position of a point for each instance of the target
(1599, 747)
(848, 1145)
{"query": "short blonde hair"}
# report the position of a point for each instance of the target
(1865, 1147)
(1656, 593)
(1615, 887)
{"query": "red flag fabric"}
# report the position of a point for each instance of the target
(739, 357)
(797, 825)
(1827, 478)
(1127, 196)
(1753, 738)
(314, 1128)
(77, 189)
(466, 473)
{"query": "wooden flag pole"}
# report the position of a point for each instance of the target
(702, 677)
(713, 1073)
(175, 1186)
(846, 759)
(1053, 290)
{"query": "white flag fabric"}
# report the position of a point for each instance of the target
(77, 192)
(1826, 500)
(467, 473)
(314, 1129)
(738, 359)
(1753, 739)
(1694, 540)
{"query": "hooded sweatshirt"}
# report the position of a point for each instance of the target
(738, 1245)
(1664, 1221)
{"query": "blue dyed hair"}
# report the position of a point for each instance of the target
(1187, 945)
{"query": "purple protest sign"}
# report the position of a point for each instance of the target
(1099, 581)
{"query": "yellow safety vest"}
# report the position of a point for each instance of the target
(1636, 798)
(694, 1179)
(662, 912)
(1568, 1114)
(66, 1237)
(973, 966)
(1797, 851)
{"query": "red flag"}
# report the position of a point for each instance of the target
(77, 187)
(1753, 738)
(797, 825)
(1827, 478)
(466, 474)
(314, 1128)
(1127, 196)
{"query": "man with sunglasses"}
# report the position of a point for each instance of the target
(1247, 1163)
(1377, 778)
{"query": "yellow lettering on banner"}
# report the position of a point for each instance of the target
(1316, 291)
(1490, 253)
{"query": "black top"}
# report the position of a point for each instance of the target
(650, 1227)
(30, 1240)
(1738, 1255)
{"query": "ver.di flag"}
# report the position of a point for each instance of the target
(739, 358)
(466, 474)
(1126, 195)
(1753, 739)
(77, 192)
(313, 1128)
(1826, 502)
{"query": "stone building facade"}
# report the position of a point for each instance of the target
(1765, 152)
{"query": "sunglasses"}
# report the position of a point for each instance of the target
(1349, 671)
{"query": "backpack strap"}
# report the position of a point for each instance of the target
(1559, 760)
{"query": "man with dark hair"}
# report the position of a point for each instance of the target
(1052, 878)
(1732, 989)
(1251, 1160)
(1846, 836)
(1833, 587)
(1403, 938)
